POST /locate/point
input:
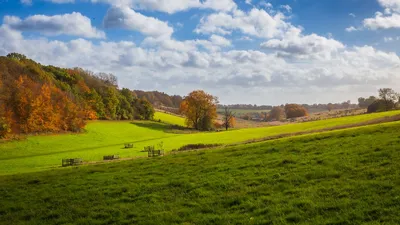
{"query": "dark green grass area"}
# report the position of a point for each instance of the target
(340, 177)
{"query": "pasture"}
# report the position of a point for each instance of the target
(169, 119)
(339, 177)
(103, 138)
(240, 112)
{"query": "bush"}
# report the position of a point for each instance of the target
(294, 111)
(377, 106)
(197, 146)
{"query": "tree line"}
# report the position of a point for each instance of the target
(387, 99)
(35, 98)
(160, 99)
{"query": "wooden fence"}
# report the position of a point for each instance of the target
(154, 153)
(128, 145)
(72, 162)
(110, 157)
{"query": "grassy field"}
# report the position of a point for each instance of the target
(169, 119)
(107, 138)
(239, 112)
(339, 177)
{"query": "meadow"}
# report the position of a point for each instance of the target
(37, 153)
(240, 112)
(169, 119)
(338, 177)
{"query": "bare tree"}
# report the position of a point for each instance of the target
(108, 79)
(389, 97)
(228, 118)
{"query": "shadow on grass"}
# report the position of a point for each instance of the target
(167, 128)
(152, 125)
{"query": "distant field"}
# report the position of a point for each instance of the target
(240, 112)
(107, 137)
(170, 119)
(339, 177)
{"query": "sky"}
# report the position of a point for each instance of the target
(267, 52)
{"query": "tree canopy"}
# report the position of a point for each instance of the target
(200, 110)
(295, 110)
(36, 98)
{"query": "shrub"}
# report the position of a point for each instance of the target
(197, 146)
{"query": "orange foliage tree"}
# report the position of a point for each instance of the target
(200, 110)
(41, 108)
(277, 113)
(294, 111)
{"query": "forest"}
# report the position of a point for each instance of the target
(45, 99)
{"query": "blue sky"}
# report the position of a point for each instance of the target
(253, 51)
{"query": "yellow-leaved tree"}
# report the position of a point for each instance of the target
(200, 110)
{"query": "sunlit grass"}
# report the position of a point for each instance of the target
(339, 177)
(108, 138)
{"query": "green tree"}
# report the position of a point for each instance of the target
(389, 97)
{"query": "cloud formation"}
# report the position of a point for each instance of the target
(241, 55)
(174, 6)
(256, 22)
(74, 24)
(126, 18)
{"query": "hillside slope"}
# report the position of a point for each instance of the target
(340, 177)
(108, 138)
(45, 99)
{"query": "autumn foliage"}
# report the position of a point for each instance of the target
(36, 98)
(200, 110)
(294, 111)
(277, 113)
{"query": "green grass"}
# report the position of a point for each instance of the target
(169, 119)
(339, 177)
(107, 138)
(239, 112)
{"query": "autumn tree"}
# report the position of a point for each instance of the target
(389, 97)
(36, 98)
(277, 113)
(329, 107)
(200, 110)
(229, 120)
(294, 111)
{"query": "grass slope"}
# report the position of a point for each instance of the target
(169, 119)
(339, 177)
(106, 137)
(240, 112)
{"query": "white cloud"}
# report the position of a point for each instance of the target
(351, 29)
(295, 66)
(248, 2)
(294, 44)
(382, 22)
(391, 39)
(220, 41)
(181, 66)
(352, 15)
(286, 7)
(174, 6)
(257, 23)
(266, 5)
(26, 2)
(74, 24)
(392, 5)
(61, 1)
(245, 38)
(126, 18)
